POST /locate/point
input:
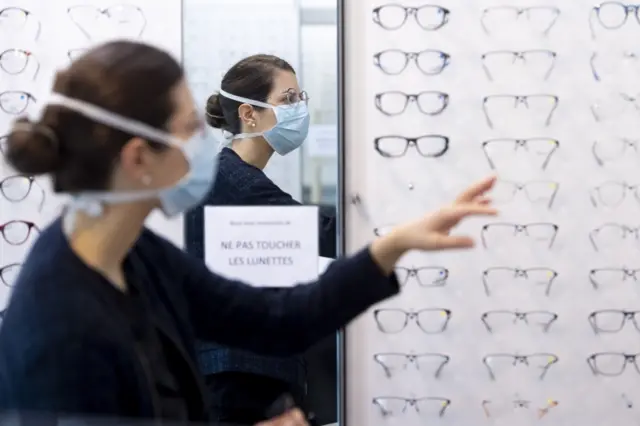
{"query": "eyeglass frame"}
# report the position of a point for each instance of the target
(105, 12)
(413, 272)
(412, 142)
(594, 55)
(519, 228)
(626, 272)
(32, 182)
(411, 402)
(22, 92)
(521, 143)
(413, 358)
(519, 54)
(412, 11)
(521, 359)
(633, 143)
(27, 14)
(628, 359)
(520, 99)
(30, 227)
(5, 268)
(625, 188)
(28, 54)
(519, 11)
(413, 56)
(628, 9)
(518, 273)
(412, 97)
(633, 316)
(522, 187)
(634, 231)
(519, 316)
(413, 315)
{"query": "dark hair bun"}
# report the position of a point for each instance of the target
(213, 110)
(32, 149)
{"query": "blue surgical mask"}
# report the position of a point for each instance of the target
(199, 151)
(292, 124)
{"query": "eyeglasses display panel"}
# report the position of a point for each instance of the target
(539, 321)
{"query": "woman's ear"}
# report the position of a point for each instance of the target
(247, 115)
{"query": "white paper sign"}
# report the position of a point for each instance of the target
(265, 246)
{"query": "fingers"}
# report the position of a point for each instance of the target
(450, 242)
(294, 417)
(461, 211)
(476, 190)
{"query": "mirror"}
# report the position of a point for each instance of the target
(216, 35)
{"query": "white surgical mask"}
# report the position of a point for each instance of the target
(292, 124)
(185, 194)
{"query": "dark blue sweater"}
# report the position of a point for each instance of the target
(241, 184)
(66, 347)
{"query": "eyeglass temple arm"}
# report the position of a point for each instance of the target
(556, 12)
(486, 112)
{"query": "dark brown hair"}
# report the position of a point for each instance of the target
(128, 78)
(251, 78)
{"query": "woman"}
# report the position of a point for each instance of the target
(104, 315)
(263, 110)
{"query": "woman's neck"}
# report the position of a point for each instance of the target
(104, 242)
(254, 151)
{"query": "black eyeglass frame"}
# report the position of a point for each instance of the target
(412, 142)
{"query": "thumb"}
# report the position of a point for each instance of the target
(448, 242)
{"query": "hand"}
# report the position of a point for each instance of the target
(293, 417)
(432, 232)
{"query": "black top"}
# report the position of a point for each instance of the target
(239, 183)
(68, 348)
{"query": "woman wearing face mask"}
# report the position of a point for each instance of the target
(104, 315)
(263, 111)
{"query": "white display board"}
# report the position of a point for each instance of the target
(219, 33)
(156, 22)
(574, 168)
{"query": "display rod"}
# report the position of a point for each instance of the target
(37, 38)
(539, 323)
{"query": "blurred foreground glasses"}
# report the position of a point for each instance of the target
(395, 405)
(499, 233)
(540, 105)
(15, 20)
(612, 194)
(499, 279)
(17, 232)
(396, 102)
(122, 19)
(539, 19)
(611, 150)
(15, 61)
(394, 61)
(15, 102)
(539, 62)
(494, 320)
(430, 321)
(536, 192)
(610, 235)
(493, 409)
(612, 15)
(9, 273)
(612, 278)
(613, 320)
(393, 16)
(17, 188)
(426, 276)
(394, 361)
(501, 361)
(503, 151)
(393, 146)
(612, 363)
